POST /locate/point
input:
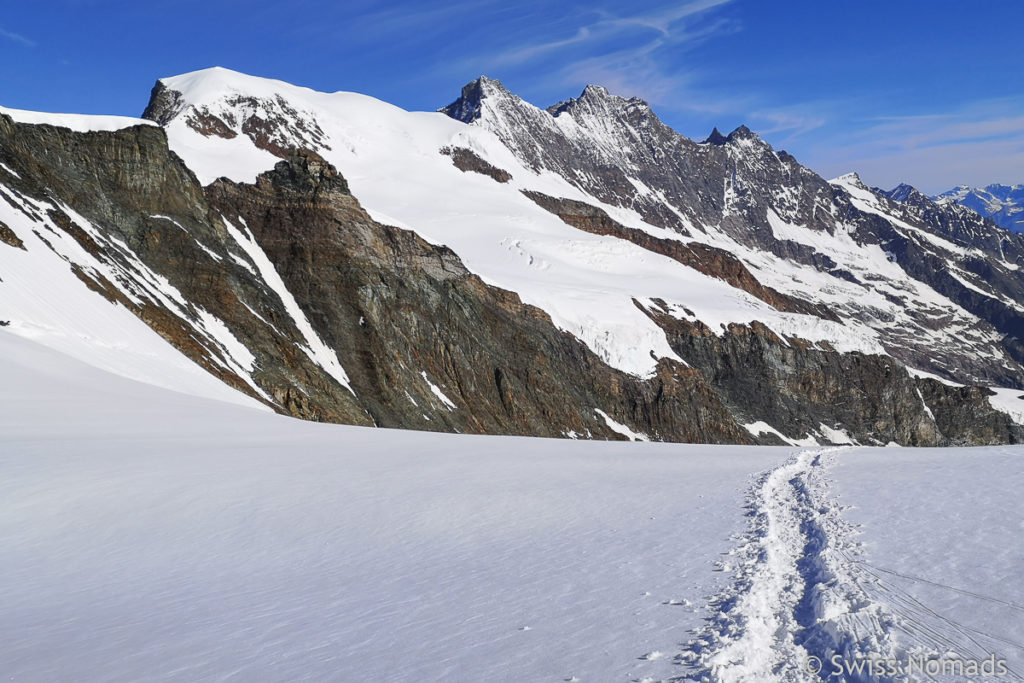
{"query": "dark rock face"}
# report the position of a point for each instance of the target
(148, 215)
(811, 389)
(164, 104)
(468, 107)
(468, 160)
(8, 237)
(404, 314)
(963, 413)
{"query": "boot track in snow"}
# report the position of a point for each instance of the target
(798, 598)
(804, 599)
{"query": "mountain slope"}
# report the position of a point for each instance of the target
(288, 291)
(971, 260)
(1004, 204)
(349, 261)
(792, 230)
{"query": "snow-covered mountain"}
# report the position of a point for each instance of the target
(1004, 204)
(495, 267)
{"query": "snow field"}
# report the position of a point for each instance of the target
(151, 535)
(147, 534)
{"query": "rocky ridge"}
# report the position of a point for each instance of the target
(289, 290)
(779, 218)
(1003, 204)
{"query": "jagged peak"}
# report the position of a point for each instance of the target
(469, 105)
(600, 93)
(716, 138)
(597, 97)
(487, 86)
(849, 179)
(902, 193)
(743, 133)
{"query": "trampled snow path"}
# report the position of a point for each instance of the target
(807, 605)
(799, 596)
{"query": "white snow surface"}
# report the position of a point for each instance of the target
(620, 428)
(586, 283)
(761, 427)
(1010, 401)
(82, 123)
(150, 535)
(436, 391)
(940, 531)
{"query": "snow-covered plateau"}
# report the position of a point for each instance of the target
(147, 534)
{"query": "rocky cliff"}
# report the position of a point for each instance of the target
(581, 271)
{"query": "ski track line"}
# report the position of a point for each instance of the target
(799, 592)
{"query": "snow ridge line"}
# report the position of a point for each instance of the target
(798, 597)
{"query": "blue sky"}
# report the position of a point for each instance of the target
(931, 93)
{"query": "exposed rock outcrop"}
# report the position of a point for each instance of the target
(8, 237)
(408, 320)
(812, 391)
(143, 213)
(289, 291)
(468, 160)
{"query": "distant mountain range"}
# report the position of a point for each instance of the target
(575, 271)
(1004, 204)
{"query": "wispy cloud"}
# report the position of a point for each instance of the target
(918, 133)
(646, 70)
(407, 19)
(404, 23)
(978, 144)
(627, 53)
(665, 27)
(527, 52)
(16, 37)
(664, 21)
(792, 123)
